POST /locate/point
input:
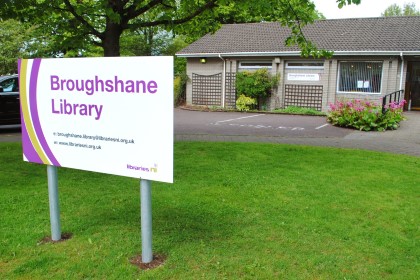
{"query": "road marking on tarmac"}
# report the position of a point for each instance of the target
(319, 127)
(239, 118)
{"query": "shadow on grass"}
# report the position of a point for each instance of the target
(174, 223)
(195, 224)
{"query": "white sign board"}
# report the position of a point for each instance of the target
(302, 77)
(110, 115)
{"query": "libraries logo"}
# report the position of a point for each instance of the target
(153, 169)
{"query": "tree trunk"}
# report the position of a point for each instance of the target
(111, 41)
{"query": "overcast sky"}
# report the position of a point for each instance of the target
(367, 8)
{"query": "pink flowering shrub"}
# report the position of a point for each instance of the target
(366, 115)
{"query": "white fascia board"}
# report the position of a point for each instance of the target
(238, 54)
(297, 53)
(366, 53)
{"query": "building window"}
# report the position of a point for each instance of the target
(305, 65)
(255, 65)
(359, 77)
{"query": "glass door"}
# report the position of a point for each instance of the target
(413, 85)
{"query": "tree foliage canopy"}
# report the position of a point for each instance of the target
(78, 24)
(408, 9)
(12, 39)
(18, 40)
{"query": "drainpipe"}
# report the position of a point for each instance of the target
(223, 81)
(401, 78)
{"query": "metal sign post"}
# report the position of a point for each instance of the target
(54, 205)
(146, 220)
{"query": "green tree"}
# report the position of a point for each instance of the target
(11, 42)
(19, 40)
(154, 43)
(76, 24)
(408, 9)
(180, 63)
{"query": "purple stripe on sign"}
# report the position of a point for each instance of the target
(34, 111)
(28, 149)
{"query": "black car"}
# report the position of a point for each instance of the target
(9, 100)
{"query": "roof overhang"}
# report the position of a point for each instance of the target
(297, 53)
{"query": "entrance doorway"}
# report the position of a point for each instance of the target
(412, 86)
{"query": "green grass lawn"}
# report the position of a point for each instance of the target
(235, 211)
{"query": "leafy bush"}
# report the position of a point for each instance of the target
(366, 115)
(255, 84)
(245, 103)
(180, 83)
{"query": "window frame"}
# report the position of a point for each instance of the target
(308, 67)
(339, 70)
(255, 67)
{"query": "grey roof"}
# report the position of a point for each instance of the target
(393, 34)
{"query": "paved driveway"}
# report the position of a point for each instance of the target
(253, 124)
(303, 130)
(10, 133)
